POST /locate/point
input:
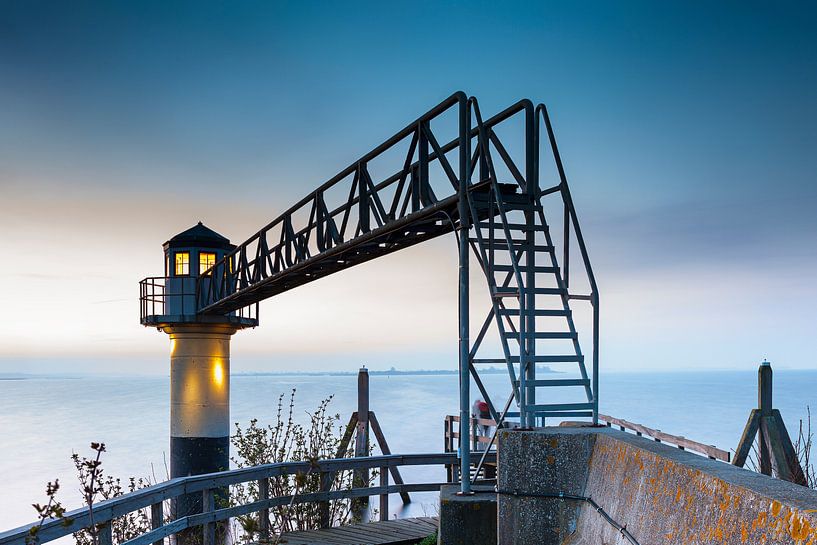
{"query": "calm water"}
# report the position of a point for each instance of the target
(43, 420)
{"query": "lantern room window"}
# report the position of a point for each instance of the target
(182, 267)
(206, 260)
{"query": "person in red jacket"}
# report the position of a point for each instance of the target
(481, 411)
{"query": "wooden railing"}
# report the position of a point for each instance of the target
(210, 485)
(679, 441)
(452, 432)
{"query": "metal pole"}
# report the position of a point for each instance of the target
(595, 356)
(464, 341)
(532, 187)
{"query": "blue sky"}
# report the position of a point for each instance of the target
(688, 131)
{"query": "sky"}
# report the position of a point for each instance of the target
(688, 132)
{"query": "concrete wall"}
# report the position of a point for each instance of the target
(666, 495)
(532, 462)
(662, 494)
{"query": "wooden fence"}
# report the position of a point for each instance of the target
(209, 485)
(679, 441)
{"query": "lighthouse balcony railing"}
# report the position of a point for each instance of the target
(158, 500)
(164, 300)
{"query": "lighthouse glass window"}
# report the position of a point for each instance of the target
(182, 264)
(206, 260)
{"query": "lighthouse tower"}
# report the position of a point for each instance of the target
(199, 353)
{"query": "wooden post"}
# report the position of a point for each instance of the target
(157, 519)
(323, 507)
(384, 498)
(208, 506)
(384, 448)
(361, 476)
(105, 535)
(775, 449)
(263, 514)
(764, 405)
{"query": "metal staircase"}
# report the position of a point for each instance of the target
(515, 258)
(530, 302)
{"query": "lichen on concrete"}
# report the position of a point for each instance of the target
(662, 494)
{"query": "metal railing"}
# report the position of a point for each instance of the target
(210, 485)
(156, 300)
(571, 221)
(354, 207)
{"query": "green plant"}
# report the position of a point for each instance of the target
(430, 540)
(94, 486)
(802, 447)
(286, 440)
(283, 441)
(52, 509)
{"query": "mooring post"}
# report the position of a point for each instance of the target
(764, 405)
(361, 476)
(777, 454)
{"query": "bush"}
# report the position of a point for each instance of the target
(285, 440)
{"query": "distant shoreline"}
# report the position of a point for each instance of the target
(388, 372)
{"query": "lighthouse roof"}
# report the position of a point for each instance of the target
(200, 236)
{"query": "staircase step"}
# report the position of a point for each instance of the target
(536, 312)
(525, 268)
(556, 382)
(505, 292)
(511, 226)
(502, 244)
(485, 361)
(522, 206)
(549, 407)
(549, 291)
(565, 414)
(565, 358)
(543, 335)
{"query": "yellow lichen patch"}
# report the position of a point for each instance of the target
(554, 443)
(724, 504)
(744, 532)
(775, 508)
(760, 521)
(799, 527)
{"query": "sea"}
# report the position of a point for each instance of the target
(43, 419)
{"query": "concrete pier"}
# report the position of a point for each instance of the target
(660, 493)
(467, 519)
(531, 464)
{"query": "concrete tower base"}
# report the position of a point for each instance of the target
(199, 403)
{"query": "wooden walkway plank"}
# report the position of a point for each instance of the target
(372, 533)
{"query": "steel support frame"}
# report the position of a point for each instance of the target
(464, 341)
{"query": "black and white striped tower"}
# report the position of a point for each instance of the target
(199, 357)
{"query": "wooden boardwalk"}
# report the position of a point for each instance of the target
(393, 532)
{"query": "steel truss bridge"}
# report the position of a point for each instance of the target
(500, 185)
